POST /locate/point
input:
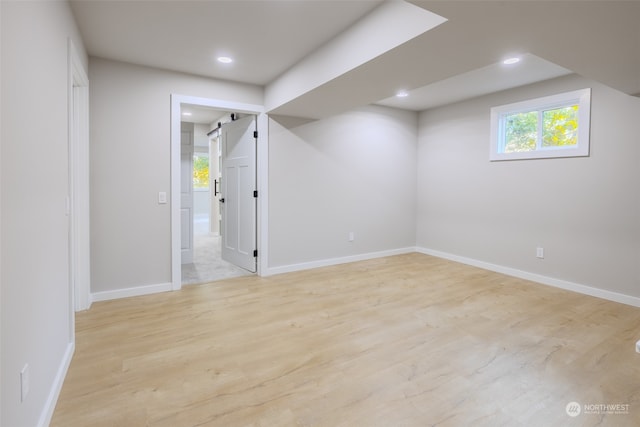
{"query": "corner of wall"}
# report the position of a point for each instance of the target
(538, 278)
(54, 393)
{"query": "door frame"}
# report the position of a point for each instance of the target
(79, 191)
(261, 173)
(214, 166)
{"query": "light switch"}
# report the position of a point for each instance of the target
(162, 197)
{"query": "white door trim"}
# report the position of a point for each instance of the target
(262, 174)
(79, 188)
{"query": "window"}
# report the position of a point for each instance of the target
(200, 171)
(553, 126)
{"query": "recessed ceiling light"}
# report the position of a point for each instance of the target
(225, 59)
(511, 61)
(402, 94)
(186, 113)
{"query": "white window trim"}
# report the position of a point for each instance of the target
(582, 97)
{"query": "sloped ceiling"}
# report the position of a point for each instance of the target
(278, 45)
(478, 82)
(597, 39)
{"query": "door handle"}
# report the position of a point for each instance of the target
(215, 187)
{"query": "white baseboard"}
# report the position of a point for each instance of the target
(545, 280)
(52, 399)
(335, 261)
(558, 283)
(131, 292)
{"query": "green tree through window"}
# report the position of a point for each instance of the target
(521, 132)
(542, 128)
(201, 171)
(560, 127)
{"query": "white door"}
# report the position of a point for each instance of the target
(186, 192)
(214, 185)
(238, 202)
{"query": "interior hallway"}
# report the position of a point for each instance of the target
(208, 265)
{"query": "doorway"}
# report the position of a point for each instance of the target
(203, 225)
(203, 257)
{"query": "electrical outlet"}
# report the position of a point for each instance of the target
(24, 382)
(539, 252)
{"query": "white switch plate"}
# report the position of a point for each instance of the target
(352, 236)
(162, 197)
(638, 347)
(540, 253)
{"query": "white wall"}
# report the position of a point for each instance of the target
(200, 132)
(201, 203)
(351, 172)
(1, 139)
(585, 212)
(201, 198)
(130, 161)
(36, 311)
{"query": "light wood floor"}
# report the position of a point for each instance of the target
(409, 340)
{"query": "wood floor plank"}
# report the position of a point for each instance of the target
(410, 340)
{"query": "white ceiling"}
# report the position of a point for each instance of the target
(265, 37)
(481, 81)
(457, 59)
(201, 114)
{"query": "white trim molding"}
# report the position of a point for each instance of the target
(56, 388)
(336, 261)
(545, 280)
(79, 191)
(262, 163)
(131, 292)
(538, 278)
